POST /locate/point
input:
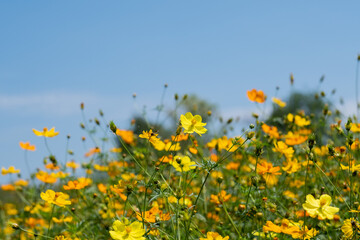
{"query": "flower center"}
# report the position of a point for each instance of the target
(322, 202)
(128, 230)
(193, 122)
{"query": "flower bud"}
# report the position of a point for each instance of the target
(113, 127)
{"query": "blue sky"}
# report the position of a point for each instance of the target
(56, 54)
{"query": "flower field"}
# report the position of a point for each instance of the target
(295, 176)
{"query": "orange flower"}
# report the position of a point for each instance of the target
(220, 198)
(126, 135)
(92, 151)
(27, 146)
(150, 216)
(269, 172)
(294, 139)
(46, 132)
(46, 177)
(78, 184)
(272, 131)
(256, 96)
(8, 187)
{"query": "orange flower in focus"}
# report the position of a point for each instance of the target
(92, 151)
(256, 96)
(126, 135)
(269, 172)
(27, 146)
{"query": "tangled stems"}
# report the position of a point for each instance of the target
(187, 228)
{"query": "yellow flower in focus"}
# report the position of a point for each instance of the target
(10, 170)
(27, 146)
(58, 198)
(256, 96)
(123, 230)
(214, 236)
(183, 164)
(294, 139)
(351, 228)
(320, 207)
(46, 132)
(278, 102)
(192, 123)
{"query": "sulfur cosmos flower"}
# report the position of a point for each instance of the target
(27, 146)
(123, 230)
(256, 96)
(351, 228)
(46, 132)
(183, 164)
(278, 102)
(214, 236)
(320, 207)
(192, 123)
(10, 170)
(58, 198)
(269, 172)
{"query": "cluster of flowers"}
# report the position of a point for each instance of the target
(272, 182)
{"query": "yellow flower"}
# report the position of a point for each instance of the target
(282, 148)
(27, 146)
(355, 127)
(192, 123)
(320, 207)
(151, 136)
(46, 132)
(291, 166)
(352, 167)
(279, 102)
(350, 228)
(183, 164)
(214, 236)
(72, 164)
(123, 230)
(10, 170)
(58, 198)
(298, 120)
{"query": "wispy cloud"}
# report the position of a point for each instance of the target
(64, 104)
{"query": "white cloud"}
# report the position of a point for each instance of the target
(64, 104)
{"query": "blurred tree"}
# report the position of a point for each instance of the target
(312, 104)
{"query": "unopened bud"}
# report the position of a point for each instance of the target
(82, 106)
(113, 127)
